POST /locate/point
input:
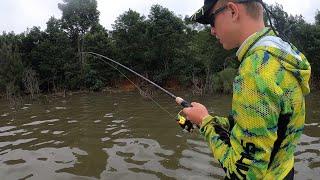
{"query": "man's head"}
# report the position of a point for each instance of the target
(232, 21)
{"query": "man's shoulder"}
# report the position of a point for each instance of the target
(263, 54)
(259, 60)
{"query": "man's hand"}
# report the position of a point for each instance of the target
(196, 113)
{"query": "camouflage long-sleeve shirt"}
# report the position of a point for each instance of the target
(258, 139)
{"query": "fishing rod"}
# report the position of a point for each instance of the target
(182, 121)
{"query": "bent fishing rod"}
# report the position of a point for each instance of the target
(182, 121)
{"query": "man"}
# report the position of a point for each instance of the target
(258, 139)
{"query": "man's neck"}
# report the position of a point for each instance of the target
(249, 29)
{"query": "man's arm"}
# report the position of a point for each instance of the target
(245, 150)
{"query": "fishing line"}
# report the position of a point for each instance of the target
(181, 120)
(125, 67)
(148, 96)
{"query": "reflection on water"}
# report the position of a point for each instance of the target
(120, 136)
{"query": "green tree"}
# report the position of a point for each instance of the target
(208, 58)
(97, 73)
(161, 46)
(30, 40)
(129, 33)
(55, 58)
(317, 18)
(165, 33)
(78, 17)
(11, 69)
(284, 23)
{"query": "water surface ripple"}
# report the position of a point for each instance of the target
(121, 136)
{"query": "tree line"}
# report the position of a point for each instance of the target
(165, 47)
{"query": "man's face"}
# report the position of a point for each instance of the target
(224, 27)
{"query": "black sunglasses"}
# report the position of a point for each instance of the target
(213, 15)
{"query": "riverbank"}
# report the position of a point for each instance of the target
(140, 86)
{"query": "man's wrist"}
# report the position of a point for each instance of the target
(204, 120)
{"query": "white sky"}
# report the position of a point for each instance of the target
(18, 15)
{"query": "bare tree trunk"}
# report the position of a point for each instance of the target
(12, 95)
(208, 81)
(30, 82)
(9, 90)
(79, 50)
(80, 57)
(54, 86)
(166, 65)
(197, 86)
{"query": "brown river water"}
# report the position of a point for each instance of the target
(122, 136)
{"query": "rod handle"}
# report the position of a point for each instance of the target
(182, 102)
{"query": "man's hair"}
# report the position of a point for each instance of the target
(254, 9)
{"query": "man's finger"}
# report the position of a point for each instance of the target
(194, 104)
(186, 110)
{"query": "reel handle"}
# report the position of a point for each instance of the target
(181, 120)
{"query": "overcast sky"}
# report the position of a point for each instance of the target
(18, 15)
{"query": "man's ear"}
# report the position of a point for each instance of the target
(234, 9)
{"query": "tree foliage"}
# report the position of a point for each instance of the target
(11, 68)
(162, 46)
(317, 18)
(78, 16)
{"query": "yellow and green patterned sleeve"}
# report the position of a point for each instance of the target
(223, 122)
(244, 148)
